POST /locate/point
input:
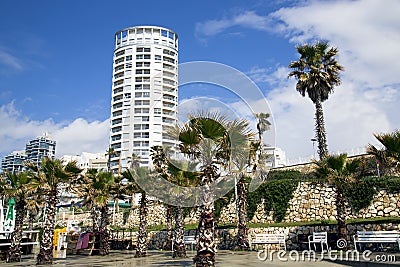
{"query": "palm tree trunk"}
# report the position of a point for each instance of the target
(94, 212)
(14, 253)
(320, 130)
(242, 237)
(142, 233)
(341, 213)
(45, 255)
(206, 247)
(104, 245)
(168, 239)
(179, 245)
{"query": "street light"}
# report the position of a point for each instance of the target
(313, 140)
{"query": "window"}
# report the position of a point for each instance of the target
(139, 56)
(146, 50)
(120, 53)
(128, 58)
(146, 56)
(146, 94)
(128, 65)
(145, 118)
(157, 57)
(138, 94)
(157, 111)
(171, 35)
(146, 86)
(164, 33)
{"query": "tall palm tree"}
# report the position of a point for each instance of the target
(389, 155)
(96, 189)
(263, 124)
(134, 176)
(205, 138)
(340, 172)
(46, 179)
(14, 185)
(317, 72)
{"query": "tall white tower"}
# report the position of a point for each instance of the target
(144, 92)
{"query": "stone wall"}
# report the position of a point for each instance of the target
(316, 202)
(310, 202)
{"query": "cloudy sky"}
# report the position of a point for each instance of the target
(56, 65)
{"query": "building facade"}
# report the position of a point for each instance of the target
(40, 147)
(87, 161)
(144, 93)
(14, 162)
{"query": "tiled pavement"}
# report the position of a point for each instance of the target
(162, 258)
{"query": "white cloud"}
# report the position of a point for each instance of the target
(72, 137)
(247, 19)
(367, 35)
(7, 61)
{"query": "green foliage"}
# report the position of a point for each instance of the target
(276, 195)
(360, 193)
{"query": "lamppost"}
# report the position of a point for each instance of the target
(313, 140)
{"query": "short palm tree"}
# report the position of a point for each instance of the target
(182, 174)
(317, 72)
(205, 138)
(240, 139)
(389, 155)
(46, 179)
(15, 185)
(133, 177)
(340, 172)
(96, 189)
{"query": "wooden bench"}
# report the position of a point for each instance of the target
(268, 239)
(187, 240)
(380, 237)
(318, 238)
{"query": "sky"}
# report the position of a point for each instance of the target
(56, 65)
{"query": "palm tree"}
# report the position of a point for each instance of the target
(389, 155)
(341, 173)
(317, 72)
(110, 153)
(205, 138)
(46, 180)
(96, 189)
(134, 176)
(180, 173)
(240, 138)
(263, 124)
(14, 185)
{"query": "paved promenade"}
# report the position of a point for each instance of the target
(161, 258)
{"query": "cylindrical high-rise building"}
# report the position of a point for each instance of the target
(144, 93)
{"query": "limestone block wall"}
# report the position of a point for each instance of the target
(310, 202)
(316, 202)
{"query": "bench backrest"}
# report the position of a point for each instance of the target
(378, 235)
(320, 236)
(189, 239)
(269, 237)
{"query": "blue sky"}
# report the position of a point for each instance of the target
(56, 64)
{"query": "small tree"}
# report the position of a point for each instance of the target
(339, 172)
(46, 179)
(389, 155)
